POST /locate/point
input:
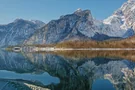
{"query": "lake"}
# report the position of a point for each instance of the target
(74, 70)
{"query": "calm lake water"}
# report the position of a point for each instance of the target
(46, 71)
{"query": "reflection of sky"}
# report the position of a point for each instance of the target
(44, 78)
(102, 84)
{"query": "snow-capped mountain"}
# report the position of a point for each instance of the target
(16, 32)
(124, 17)
(81, 25)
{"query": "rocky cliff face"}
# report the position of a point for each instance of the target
(81, 26)
(77, 26)
(124, 17)
(16, 32)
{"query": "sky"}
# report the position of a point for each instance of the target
(47, 10)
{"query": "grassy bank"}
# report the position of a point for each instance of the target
(124, 43)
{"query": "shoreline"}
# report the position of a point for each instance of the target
(91, 49)
(38, 49)
(81, 49)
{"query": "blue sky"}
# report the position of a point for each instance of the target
(46, 10)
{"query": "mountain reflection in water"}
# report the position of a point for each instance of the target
(64, 71)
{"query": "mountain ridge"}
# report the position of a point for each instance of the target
(17, 31)
(80, 25)
(77, 26)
